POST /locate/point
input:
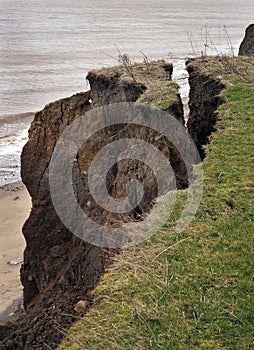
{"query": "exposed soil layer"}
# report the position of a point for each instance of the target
(204, 101)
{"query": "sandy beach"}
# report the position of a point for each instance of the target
(15, 206)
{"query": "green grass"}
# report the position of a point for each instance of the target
(194, 290)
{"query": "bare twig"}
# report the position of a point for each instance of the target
(233, 315)
(170, 247)
(124, 59)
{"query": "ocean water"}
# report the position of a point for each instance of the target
(47, 47)
(10, 150)
(13, 136)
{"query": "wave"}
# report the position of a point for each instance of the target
(13, 136)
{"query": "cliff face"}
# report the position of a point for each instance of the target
(204, 101)
(51, 254)
(60, 269)
(113, 89)
(247, 45)
(51, 258)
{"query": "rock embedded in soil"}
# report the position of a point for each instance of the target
(81, 306)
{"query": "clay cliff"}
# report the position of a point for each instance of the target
(247, 45)
(60, 269)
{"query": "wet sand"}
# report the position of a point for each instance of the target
(15, 206)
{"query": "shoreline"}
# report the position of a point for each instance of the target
(15, 206)
(13, 136)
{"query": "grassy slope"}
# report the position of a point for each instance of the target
(193, 291)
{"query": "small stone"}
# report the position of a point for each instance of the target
(15, 198)
(81, 306)
(30, 278)
(15, 261)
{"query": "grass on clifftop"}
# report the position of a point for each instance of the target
(161, 91)
(194, 290)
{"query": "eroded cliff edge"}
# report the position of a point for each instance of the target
(59, 269)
